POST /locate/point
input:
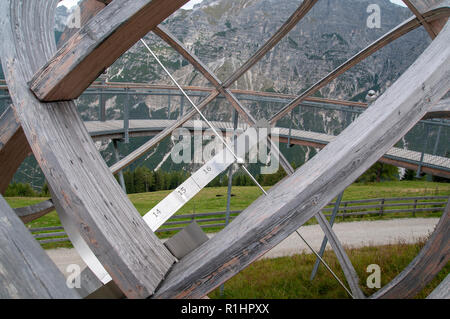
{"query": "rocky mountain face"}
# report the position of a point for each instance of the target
(225, 33)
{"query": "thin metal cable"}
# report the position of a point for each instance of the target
(326, 265)
(238, 159)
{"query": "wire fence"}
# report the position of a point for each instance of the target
(216, 220)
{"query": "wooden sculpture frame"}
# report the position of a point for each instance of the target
(43, 81)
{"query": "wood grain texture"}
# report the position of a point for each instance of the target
(427, 264)
(83, 186)
(168, 37)
(97, 45)
(14, 147)
(425, 5)
(404, 28)
(26, 271)
(344, 261)
(419, 16)
(29, 213)
(294, 200)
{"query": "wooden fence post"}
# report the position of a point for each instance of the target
(414, 209)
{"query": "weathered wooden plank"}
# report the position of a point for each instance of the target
(26, 271)
(425, 169)
(427, 264)
(84, 190)
(383, 159)
(128, 85)
(92, 288)
(419, 16)
(407, 26)
(29, 213)
(97, 45)
(14, 147)
(344, 261)
(293, 201)
(411, 210)
(47, 235)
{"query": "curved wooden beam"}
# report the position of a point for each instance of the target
(14, 147)
(12, 137)
(97, 45)
(83, 187)
(29, 213)
(26, 270)
(419, 16)
(294, 200)
(427, 264)
(440, 110)
(423, 6)
(407, 26)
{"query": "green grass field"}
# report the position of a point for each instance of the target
(214, 200)
(288, 277)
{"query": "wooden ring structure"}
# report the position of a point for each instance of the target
(99, 216)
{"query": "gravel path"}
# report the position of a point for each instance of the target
(352, 234)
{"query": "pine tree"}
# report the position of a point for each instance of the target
(379, 172)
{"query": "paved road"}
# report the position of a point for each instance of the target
(352, 234)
